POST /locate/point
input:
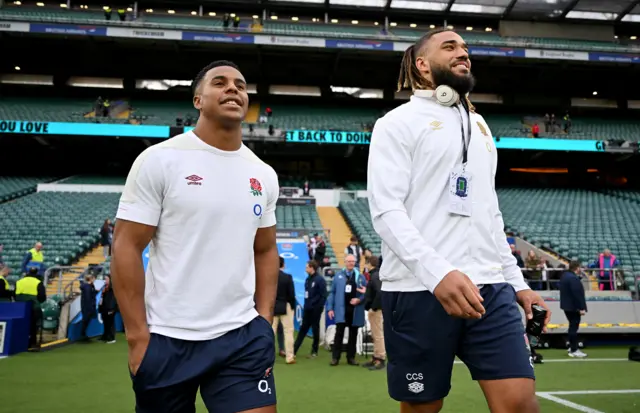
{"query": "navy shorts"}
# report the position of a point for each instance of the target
(422, 341)
(233, 372)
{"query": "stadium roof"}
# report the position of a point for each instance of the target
(603, 10)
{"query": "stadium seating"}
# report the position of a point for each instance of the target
(45, 110)
(322, 118)
(66, 223)
(305, 217)
(358, 216)
(577, 224)
(16, 186)
(301, 28)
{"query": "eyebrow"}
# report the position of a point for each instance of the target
(222, 77)
(454, 42)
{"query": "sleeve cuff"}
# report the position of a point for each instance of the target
(268, 220)
(135, 213)
(438, 270)
(516, 280)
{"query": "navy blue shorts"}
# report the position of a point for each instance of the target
(422, 341)
(233, 372)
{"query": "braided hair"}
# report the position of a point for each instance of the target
(410, 77)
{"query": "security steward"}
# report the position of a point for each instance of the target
(30, 288)
(6, 294)
(34, 255)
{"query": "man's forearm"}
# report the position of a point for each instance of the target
(128, 285)
(266, 281)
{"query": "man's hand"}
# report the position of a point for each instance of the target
(583, 312)
(459, 296)
(526, 298)
(355, 301)
(331, 314)
(137, 349)
(362, 290)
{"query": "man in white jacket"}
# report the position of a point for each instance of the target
(450, 283)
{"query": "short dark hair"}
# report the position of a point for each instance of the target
(574, 265)
(313, 264)
(218, 63)
(373, 261)
(281, 262)
(354, 238)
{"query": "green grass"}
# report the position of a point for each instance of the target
(93, 378)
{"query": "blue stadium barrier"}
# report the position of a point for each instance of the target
(295, 256)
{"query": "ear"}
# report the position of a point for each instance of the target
(197, 102)
(423, 65)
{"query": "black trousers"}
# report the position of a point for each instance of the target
(310, 319)
(34, 327)
(109, 323)
(85, 324)
(351, 345)
(574, 323)
(280, 337)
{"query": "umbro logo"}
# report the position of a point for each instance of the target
(436, 125)
(193, 180)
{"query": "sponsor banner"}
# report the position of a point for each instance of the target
(612, 57)
(496, 51)
(295, 256)
(320, 136)
(144, 33)
(91, 129)
(68, 29)
(14, 27)
(543, 144)
(302, 200)
(296, 232)
(290, 41)
(218, 37)
(401, 46)
(359, 44)
(555, 54)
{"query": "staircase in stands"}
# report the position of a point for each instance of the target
(95, 256)
(340, 234)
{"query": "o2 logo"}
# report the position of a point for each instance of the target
(289, 255)
(299, 313)
(257, 210)
(263, 387)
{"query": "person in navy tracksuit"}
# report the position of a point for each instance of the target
(315, 293)
(345, 305)
(574, 304)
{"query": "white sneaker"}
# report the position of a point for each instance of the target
(111, 342)
(578, 354)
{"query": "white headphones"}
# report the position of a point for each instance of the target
(444, 95)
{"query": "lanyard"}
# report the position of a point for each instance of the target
(465, 140)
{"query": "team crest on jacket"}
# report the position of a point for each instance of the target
(482, 129)
(256, 188)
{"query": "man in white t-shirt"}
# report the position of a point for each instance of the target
(449, 281)
(200, 318)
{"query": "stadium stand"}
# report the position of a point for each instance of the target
(576, 224)
(299, 28)
(66, 223)
(12, 187)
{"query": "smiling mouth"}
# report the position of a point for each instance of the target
(462, 64)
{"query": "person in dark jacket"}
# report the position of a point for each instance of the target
(284, 310)
(87, 303)
(574, 304)
(373, 305)
(108, 308)
(106, 234)
(321, 249)
(315, 296)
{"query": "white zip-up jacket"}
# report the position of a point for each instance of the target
(414, 148)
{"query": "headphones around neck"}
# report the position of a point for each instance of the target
(444, 95)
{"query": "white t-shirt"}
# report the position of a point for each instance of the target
(207, 205)
(414, 149)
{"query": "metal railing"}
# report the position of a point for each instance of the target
(331, 32)
(64, 290)
(588, 276)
